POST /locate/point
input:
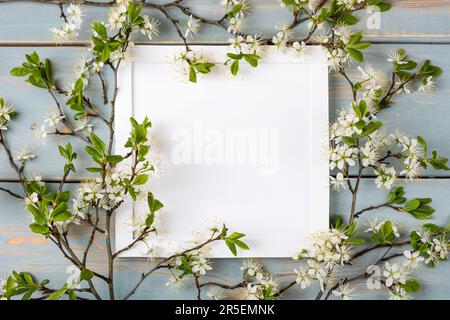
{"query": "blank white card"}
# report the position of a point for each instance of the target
(248, 150)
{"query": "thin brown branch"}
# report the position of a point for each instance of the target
(11, 193)
(383, 205)
(140, 238)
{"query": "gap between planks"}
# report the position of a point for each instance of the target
(82, 44)
(75, 181)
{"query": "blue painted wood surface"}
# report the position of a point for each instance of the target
(421, 21)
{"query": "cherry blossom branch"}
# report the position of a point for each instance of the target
(162, 264)
(375, 207)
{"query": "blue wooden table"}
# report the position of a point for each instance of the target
(421, 27)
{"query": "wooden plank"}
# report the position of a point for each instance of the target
(416, 114)
(25, 22)
(24, 251)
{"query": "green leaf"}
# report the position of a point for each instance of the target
(433, 228)
(236, 235)
(423, 143)
(98, 143)
(57, 294)
(33, 58)
(370, 128)
(153, 204)
(411, 205)
(355, 54)
(235, 67)
(192, 75)
(235, 56)
(252, 59)
(86, 274)
(114, 159)
(411, 286)
(62, 216)
(140, 179)
(100, 29)
(232, 246)
(349, 141)
(241, 245)
(20, 72)
(149, 220)
(39, 229)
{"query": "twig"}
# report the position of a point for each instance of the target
(15, 195)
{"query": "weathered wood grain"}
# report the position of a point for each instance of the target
(416, 114)
(25, 22)
(24, 251)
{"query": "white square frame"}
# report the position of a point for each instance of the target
(319, 199)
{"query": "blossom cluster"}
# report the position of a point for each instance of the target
(327, 250)
(356, 137)
(7, 111)
(260, 284)
(118, 18)
(105, 193)
(72, 23)
(184, 61)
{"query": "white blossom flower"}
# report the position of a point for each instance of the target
(252, 45)
(39, 131)
(176, 282)
(83, 125)
(301, 49)
(302, 278)
(25, 155)
(338, 183)
(5, 114)
(150, 27)
(117, 16)
(398, 293)
(66, 33)
(53, 118)
(440, 246)
(75, 14)
(282, 37)
(369, 155)
(252, 292)
(216, 294)
(372, 75)
(32, 198)
(373, 226)
(200, 265)
(343, 32)
(236, 25)
(192, 27)
(428, 85)
(413, 259)
(341, 156)
(336, 58)
(397, 56)
(342, 255)
(251, 267)
(386, 177)
(432, 258)
(343, 292)
(424, 235)
(394, 274)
